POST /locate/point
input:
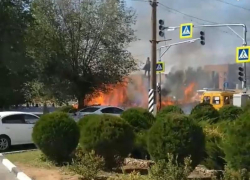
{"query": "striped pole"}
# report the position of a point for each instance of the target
(151, 101)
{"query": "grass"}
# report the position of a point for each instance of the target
(31, 158)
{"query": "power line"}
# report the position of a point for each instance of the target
(192, 17)
(240, 7)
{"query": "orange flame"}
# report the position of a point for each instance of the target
(135, 93)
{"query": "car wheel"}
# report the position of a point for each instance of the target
(4, 143)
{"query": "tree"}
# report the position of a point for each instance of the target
(79, 45)
(15, 69)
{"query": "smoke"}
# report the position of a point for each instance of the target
(220, 42)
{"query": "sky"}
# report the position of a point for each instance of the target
(221, 43)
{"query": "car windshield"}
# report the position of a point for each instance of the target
(90, 109)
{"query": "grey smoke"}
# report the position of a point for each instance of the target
(219, 48)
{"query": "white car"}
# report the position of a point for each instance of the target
(16, 128)
(99, 110)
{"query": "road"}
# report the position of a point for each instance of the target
(5, 174)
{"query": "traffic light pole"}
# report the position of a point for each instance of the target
(243, 38)
(153, 55)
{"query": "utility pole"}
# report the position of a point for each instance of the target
(153, 3)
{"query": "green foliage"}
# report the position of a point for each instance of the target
(214, 152)
(87, 165)
(56, 135)
(237, 143)
(171, 169)
(138, 118)
(109, 136)
(246, 108)
(15, 66)
(205, 112)
(84, 120)
(176, 134)
(140, 150)
(65, 109)
(61, 66)
(170, 109)
(230, 112)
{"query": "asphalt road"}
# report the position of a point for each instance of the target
(5, 174)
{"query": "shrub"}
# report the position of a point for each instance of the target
(170, 109)
(176, 134)
(56, 135)
(109, 136)
(247, 106)
(66, 109)
(88, 165)
(171, 169)
(230, 112)
(214, 152)
(138, 118)
(237, 143)
(205, 112)
(140, 150)
(83, 121)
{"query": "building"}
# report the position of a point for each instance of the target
(225, 74)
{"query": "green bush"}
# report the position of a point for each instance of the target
(140, 150)
(230, 112)
(66, 109)
(176, 134)
(138, 118)
(84, 120)
(205, 112)
(237, 143)
(171, 169)
(56, 135)
(88, 165)
(214, 152)
(169, 109)
(109, 136)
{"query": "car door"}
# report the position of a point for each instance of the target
(15, 128)
(30, 121)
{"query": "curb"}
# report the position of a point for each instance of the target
(12, 168)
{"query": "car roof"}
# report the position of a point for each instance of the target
(7, 113)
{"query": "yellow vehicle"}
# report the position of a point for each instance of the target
(218, 98)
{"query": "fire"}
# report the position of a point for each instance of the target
(135, 93)
(189, 92)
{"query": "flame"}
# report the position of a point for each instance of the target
(135, 93)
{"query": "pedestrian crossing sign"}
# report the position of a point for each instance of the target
(242, 54)
(160, 67)
(186, 30)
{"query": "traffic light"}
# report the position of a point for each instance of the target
(202, 37)
(241, 74)
(161, 28)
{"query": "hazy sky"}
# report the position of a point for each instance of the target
(220, 46)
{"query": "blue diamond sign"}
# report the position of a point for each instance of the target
(160, 67)
(242, 54)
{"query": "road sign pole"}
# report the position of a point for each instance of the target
(245, 65)
(154, 50)
(160, 80)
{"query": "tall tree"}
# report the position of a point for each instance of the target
(15, 18)
(80, 45)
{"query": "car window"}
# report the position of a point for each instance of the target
(108, 110)
(90, 109)
(206, 99)
(13, 119)
(30, 119)
(118, 110)
(216, 100)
